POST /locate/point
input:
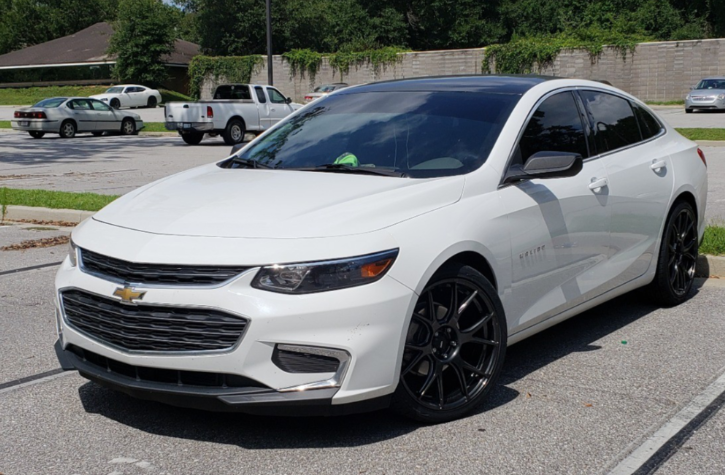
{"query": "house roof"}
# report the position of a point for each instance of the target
(86, 46)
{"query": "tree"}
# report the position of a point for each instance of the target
(143, 35)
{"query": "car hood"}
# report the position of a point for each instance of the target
(257, 203)
(706, 92)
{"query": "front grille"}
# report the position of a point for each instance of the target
(150, 327)
(170, 376)
(162, 274)
(293, 362)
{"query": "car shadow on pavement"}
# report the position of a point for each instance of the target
(262, 432)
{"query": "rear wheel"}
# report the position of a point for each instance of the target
(36, 135)
(115, 103)
(454, 348)
(151, 102)
(68, 129)
(677, 258)
(128, 127)
(234, 133)
(192, 138)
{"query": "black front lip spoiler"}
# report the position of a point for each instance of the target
(252, 400)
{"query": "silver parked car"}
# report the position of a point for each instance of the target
(322, 91)
(68, 116)
(708, 94)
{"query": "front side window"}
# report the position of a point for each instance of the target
(556, 126)
(260, 95)
(612, 120)
(275, 96)
(421, 134)
(649, 126)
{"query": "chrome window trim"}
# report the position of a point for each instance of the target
(140, 285)
(663, 129)
(153, 304)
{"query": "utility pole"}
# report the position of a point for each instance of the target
(270, 76)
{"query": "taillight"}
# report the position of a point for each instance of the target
(308, 98)
(16, 115)
(40, 115)
(209, 112)
(702, 156)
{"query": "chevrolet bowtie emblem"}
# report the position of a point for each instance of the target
(128, 295)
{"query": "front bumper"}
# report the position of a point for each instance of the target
(182, 127)
(704, 104)
(366, 322)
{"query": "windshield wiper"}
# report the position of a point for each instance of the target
(341, 168)
(249, 163)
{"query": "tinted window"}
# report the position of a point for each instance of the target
(51, 103)
(423, 134)
(647, 123)
(275, 96)
(556, 126)
(233, 92)
(612, 120)
(711, 84)
(100, 106)
(260, 95)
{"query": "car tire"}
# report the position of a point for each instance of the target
(234, 133)
(151, 102)
(192, 138)
(451, 361)
(68, 129)
(128, 127)
(677, 257)
(115, 103)
(36, 135)
(688, 111)
(97, 134)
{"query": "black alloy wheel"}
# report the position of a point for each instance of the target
(115, 103)
(677, 258)
(36, 134)
(454, 348)
(151, 102)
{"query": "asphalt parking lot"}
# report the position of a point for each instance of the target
(579, 398)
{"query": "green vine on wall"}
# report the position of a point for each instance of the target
(233, 69)
(528, 55)
(341, 61)
(304, 61)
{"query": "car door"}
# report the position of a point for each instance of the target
(106, 118)
(278, 108)
(559, 227)
(133, 95)
(640, 179)
(82, 113)
(265, 118)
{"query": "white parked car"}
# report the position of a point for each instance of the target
(130, 95)
(235, 110)
(383, 248)
(68, 116)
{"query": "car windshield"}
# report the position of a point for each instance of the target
(419, 134)
(326, 88)
(51, 103)
(114, 90)
(711, 84)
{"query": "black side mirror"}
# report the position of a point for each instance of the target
(287, 100)
(237, 147)
(546, 165)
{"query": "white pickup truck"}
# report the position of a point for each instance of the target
(235, 110)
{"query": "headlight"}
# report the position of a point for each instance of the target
(72, 253)
(721, 97)
(308, 277)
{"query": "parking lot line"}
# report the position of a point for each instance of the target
(32, 380)
(665, 442)
(23, 269)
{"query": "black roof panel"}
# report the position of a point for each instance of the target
(480, 83)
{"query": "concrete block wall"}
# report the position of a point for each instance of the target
(661, 71)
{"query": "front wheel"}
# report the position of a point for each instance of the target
(36, 135)
(128, 127)
(115, 103)
(192, 138)
(454, 348)
(677, 258)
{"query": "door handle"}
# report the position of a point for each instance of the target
(658, 164)
(597, 184)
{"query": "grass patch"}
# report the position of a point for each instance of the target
(680, 102)
(154, 127)
(703, 134)
(54, 199)
(714, 241)
(31, 95)
(4, 124)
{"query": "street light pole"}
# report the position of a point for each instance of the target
(270, 76)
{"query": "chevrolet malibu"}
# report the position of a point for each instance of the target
(382, 247)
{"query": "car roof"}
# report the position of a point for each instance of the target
(719, 78)
(512, 84)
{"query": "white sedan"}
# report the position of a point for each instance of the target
(130, 95)
(382, 248)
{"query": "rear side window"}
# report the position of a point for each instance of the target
(260, 95)
(612, 120)
(233, 92)
(649, 126)
(556, 126)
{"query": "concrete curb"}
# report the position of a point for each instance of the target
(710, 143)
(710, 266)
(16, 213)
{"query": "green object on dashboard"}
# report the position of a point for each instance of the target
(348, 159)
